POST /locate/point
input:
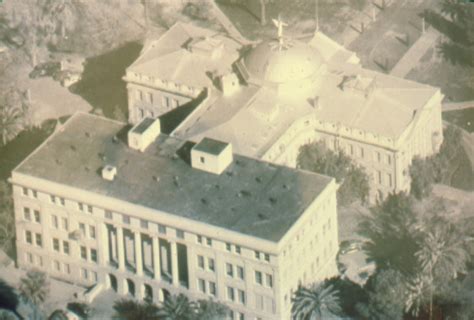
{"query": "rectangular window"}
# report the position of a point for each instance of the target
(65, 224)
(56, 244)
(378, 156)
(238, 250)
(67, 268)
(54, 221)
(66, 247)
(27, 213)
(199, 239)
(351, 149)
(108, 214)
(57, 265)
(389, 179)
(161, 229)
(92, 232)
(269, 280)
(144, 224)
(258, 277)
(84, 273)
(257, 254)
(201, 262)
(230, 294)
(82, 227)
(28, 237)
(240, 272)
(389, 159)
(211, 264)
(150, 97)
(228, 247)
(29, 257)
(83, 253)
(25, 191)
(52, 198)
(35, 194)
(202, 285)
(80, 206)
(89, 209)
(39, 240)
(202, 159)
(39, 261)
(229, 270)
(37, 216)
(380, 176)
(212, 288)
(94, 255)
(361, 152)
(209, 241)
(62, 201)
(125, 219)
(267, 257)
(179, 234)
(241, 296)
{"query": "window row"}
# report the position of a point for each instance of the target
(55, 222)
(31, 215)
(34, 259)
(207, 287)
(89, 255)
(61, 246)
(211, 266)
(30, 193)
(233, 248)
(204, 240)
(89, 275)
(259, 279)
(262, 256)
(88, 230)
(235, 271)
(236, 295)
(61, 267)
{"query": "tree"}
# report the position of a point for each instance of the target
(318, 158)
(81, 309)
(316, 302)
(34, 289)
(134, 310)
(386, 292)
(390, 232)
(9, 299)
(350, 295)
(177, 308)
(422, 177)
(442, 255)
(11, 119)
(7, 217)
(211, 310)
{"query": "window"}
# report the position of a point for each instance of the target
(39, 261)
(83, 253)
(267, 257)
(379, 157)
(29, 257)
(258, 277)
(241, 316)
(202, 285)
(125, 219)
(209, 241)
(39, 240)
(212, 288)
(35, 193)
(161, 229)
(66, 247)
(241, 296)
(389, 159)
(80, 206)
(201, 262)
(257, 254)
(108, 214)
(379, 176)
(211, 264)
(27, 213)
(228, 247)
(89, 209)
(361, 152)
(84, 273)
(62, 201)
(144, 224)
(54, 221)
(179, 234)
(37, 216)
(389, 179)
(269, 280)
(82, 227)
(240, 272)
(94, 255)
(238, 250)
(202, 159)
(65, 223)
(52, 198)
(56, 244)
(150, 97)
(57, 266)
(92, 232)
(229, 270)
(67, 268)
(25, 191)
(28, 237)
(351, 148)
(199, 239)
(230, 294)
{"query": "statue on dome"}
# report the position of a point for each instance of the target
(280, 24)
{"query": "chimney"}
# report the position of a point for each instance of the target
(109, 172)
(211, 155)
(229, 83)
(144, 133)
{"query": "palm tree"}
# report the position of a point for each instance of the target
(316, 302)
(442, 255)
(211, 310)
(177, 308)
(8, 298)
(451, 8)
(34, 289)
(134, 310)
(10, 121)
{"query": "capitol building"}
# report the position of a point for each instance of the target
(269, 99)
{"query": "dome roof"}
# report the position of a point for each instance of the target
(297, 62)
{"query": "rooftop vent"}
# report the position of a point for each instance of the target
(109, 172)
(211, 155)
(144, 133)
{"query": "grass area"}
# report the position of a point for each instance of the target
(461, 118)
(102, 85)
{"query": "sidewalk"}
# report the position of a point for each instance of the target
(415, 53)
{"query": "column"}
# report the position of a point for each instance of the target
(105, 241)
(138, 253)
(174, 263)
(120, 249)
(191, 267)
(156, 258)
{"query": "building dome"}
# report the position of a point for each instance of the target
(297, 61)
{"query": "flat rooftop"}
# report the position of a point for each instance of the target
(211, 146)
(250, 197)
(143, 125)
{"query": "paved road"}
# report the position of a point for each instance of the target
(451, 106)
(415, 53)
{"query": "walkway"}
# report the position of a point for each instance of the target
(415, 53)
(451, 106)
